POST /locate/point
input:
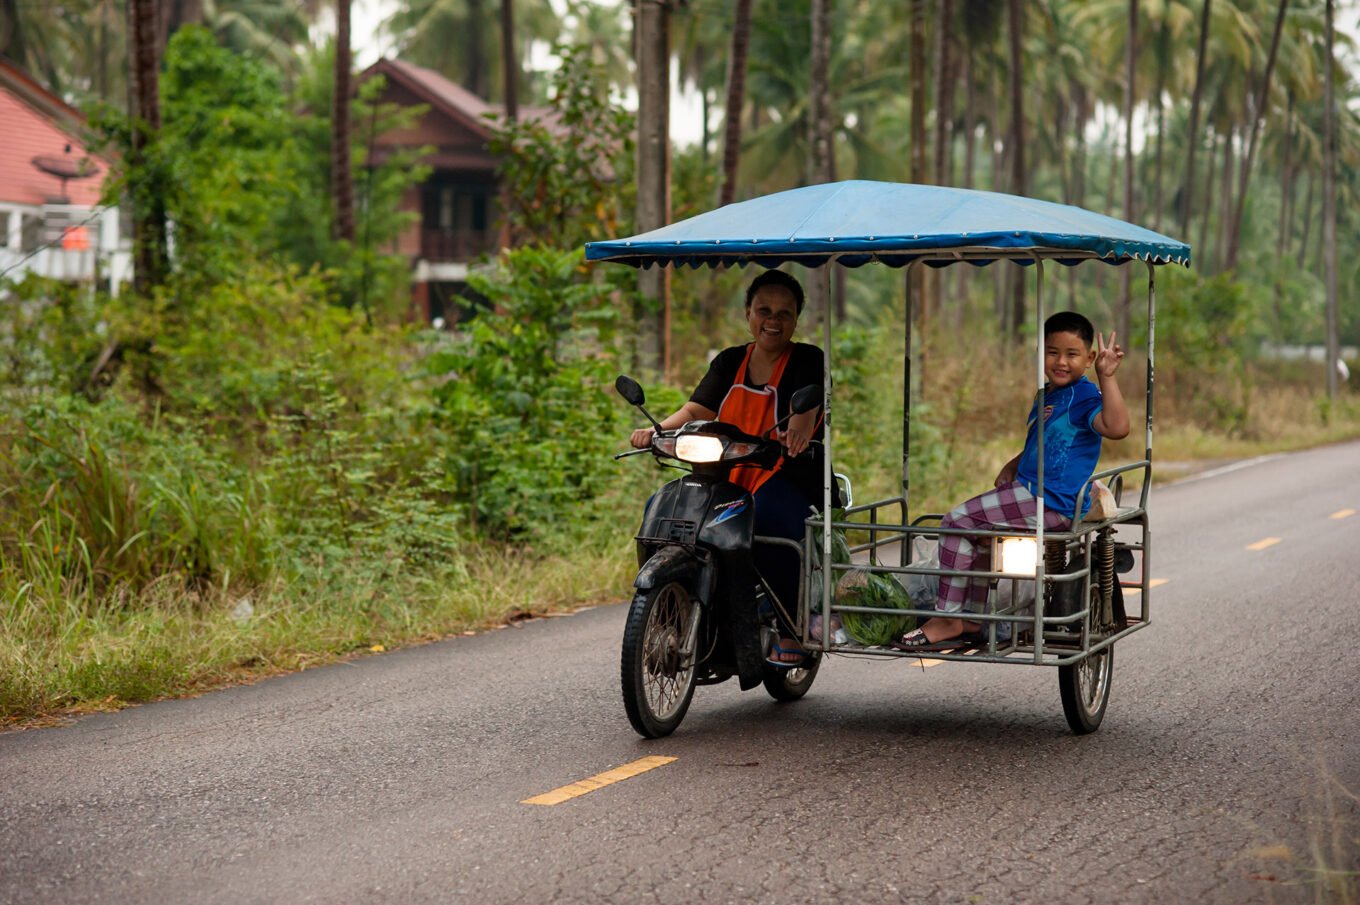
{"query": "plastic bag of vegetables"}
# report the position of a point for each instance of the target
(840, 555)
(860, 587)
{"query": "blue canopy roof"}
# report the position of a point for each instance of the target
(857, 222)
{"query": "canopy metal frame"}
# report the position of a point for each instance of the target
(825, 522)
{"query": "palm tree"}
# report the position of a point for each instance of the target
(1329, 205)
(1258, 113)
(342, 178)
(1192, 139)
(148, 201)
(653, 170)
(1016, 148)
(736, 99)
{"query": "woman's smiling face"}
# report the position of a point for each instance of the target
(772, 317)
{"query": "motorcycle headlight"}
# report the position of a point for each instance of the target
(665, 445)
(698, 448)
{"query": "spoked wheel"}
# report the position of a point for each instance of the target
(792, 684)
(1085, 685)
(660, 644)
(1085, 688)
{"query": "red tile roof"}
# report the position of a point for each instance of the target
(449, 97)
(37, 123)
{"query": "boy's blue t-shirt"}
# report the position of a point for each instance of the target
(1071, 446)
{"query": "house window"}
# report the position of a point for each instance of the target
(30, 232)
(4, 229)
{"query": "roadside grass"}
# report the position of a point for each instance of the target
(68, 653)
(1327, 863)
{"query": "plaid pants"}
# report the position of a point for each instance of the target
(1008, 506)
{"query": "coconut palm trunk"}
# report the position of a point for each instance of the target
(342, 176)
(509, 61)
(151, 255)
(1126, 273)
(1329, 202)
(1192, 134)
(1017, 151)
(1258, 114)
(652, 44)
(736, 100)
(819, 132)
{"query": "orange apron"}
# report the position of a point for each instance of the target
(753, 411)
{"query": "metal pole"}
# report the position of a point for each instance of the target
(906, 399)
(1146, 604)
(828, 576)
(1039, 431)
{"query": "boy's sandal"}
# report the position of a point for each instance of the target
(916, 640)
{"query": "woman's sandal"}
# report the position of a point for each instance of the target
(778, 651)
(916, 640)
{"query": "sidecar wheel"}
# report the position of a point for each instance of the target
(659, 652)
(792, 684)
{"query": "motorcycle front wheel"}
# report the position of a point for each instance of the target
(660, 648)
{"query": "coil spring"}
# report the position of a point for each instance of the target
(1104, 562)
(1055, 560)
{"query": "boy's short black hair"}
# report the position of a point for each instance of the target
(1070, 322)
(776, 278)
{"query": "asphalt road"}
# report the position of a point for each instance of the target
(1216, 777)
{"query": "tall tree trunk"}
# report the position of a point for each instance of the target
(1308, 202)
(1078, 174)
(1203, 244)
(653, 174)
(1163, 64)
(1000, 273)
(1126, 273)
(944, 88)
(148, 198)
(1286, 202)
(1329, 204)
(473, 50)
(1258, 114)
(510, 80)
(509, 61)
(736, 99)
(1017, 151)
(919, 174)
(1226, 207)
(969, 159)
(944, 121)
(13, 41)
(342, 176)
(1192, 135)
(819, 134)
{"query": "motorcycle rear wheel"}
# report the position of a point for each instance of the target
(785, 684)
(660, 643)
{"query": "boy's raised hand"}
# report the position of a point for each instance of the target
(1108, 356)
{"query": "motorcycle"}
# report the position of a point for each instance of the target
(701, 613)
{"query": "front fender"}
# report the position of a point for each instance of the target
(670, 564)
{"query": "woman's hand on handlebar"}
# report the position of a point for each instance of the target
(795, 442)
(641, 438)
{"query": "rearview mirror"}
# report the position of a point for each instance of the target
(806, 399)
(630, 390)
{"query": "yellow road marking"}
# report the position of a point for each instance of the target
(926, 664)
(1344, 513)
(1263, 543)
(599, 781)
(1154, 583)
